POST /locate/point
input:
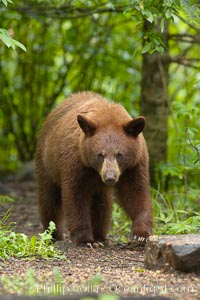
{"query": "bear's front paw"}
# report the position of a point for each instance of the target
(141, 231)
(91, 245)
(81, 236)
(140, 240)
(83, 244)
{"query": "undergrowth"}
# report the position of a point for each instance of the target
(20, 245)
(14, 244)
(172, 215)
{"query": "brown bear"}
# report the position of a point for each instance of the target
(88, 149)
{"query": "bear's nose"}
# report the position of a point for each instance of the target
(110, 178)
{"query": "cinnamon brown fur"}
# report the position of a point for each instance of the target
(87, 148)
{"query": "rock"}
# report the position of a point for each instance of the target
(62, 246)
(179, 252)
(4, 189)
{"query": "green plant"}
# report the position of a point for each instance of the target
(20, 245)
(178, 223)
(4, 199)
(176, 203)
(121, 226)
(172, 215)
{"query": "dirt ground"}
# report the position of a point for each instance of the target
(121, 267)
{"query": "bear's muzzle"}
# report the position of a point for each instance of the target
(110, 171)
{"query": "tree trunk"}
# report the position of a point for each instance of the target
(154, 105)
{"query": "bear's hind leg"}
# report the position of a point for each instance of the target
(50, 207)
(101, 215)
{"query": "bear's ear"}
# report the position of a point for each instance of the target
(135, 126)
(86, 125)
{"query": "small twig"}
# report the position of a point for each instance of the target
(192, 145)
(187, 38)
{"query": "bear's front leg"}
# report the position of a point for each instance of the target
(135, 199)
(77, 211)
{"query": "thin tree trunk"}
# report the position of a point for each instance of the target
(154, 106)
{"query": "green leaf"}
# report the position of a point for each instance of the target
(168, 13)
(147, 47)
(110, 5)
(33, 242)
(149, 16)
(20, 45)
(162, 24)
(10, 42)
(169, 218)
(5, 2)
(160, 49)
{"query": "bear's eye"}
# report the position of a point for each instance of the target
(119, 157)
(100, 157)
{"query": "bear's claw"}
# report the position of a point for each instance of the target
(140, 239)
(91, 245)
(94, 245)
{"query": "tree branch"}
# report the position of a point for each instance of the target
(189, 24)
(186, 38)
(68, 11)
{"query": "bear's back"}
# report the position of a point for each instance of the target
(92, 105)
(67, 107)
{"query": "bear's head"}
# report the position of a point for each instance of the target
(110, 149)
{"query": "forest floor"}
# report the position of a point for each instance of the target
(121, 267)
